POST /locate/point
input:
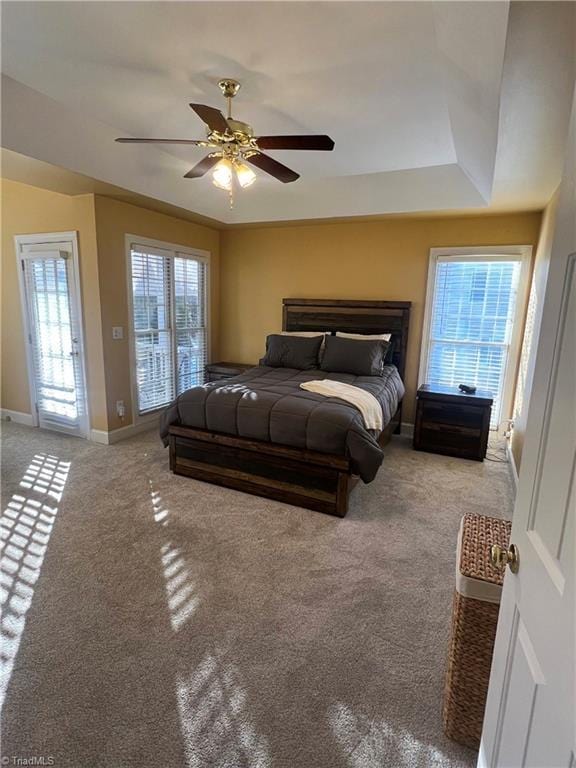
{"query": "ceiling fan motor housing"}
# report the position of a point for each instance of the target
(229, 87)
(240, 128)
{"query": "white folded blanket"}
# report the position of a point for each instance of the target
(366, 403)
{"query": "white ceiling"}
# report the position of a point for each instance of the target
(431, 105)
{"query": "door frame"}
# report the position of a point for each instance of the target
(70, 238)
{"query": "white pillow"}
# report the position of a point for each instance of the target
(309, 334)
(365, 336)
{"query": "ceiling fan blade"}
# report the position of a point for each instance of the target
(273, 167)
(196, 142)
(213, 118)
(202, 167)
(321, 143)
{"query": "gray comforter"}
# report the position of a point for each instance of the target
(267, 404)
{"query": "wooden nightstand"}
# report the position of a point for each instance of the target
(217, 371)
(452, 423)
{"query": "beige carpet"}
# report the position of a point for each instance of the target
(158, 621)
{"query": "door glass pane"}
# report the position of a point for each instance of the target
(154, 375)
(151, 322)
(55, 353)
(190, 346)
(169, 321)
(189, 313)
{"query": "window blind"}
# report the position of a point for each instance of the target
(190, 322)
(169, 324)
(56, 361)
(471, 323)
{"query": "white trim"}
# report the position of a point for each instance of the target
(122, 433)
(71, 239)
(522, 253)
(512, 463)
(407, 430)
(27, 330)
(99, 436)
(17, 417)
(96, 435)
(482, 762)
(196, 253)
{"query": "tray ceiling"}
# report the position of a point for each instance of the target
(410, 92)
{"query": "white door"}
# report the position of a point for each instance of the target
(54, 335)
(530, 715)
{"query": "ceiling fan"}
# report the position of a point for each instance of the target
(234, 145)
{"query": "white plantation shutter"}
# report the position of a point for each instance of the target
(54, 340)
(151, 304)
(190, 322)
(473, 310)
(169, 324)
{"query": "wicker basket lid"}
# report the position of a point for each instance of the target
(476, 577)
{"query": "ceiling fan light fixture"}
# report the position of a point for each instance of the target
(244, 174)
(222, 175)
(234, 143)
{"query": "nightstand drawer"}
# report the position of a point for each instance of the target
(449, 413)
(451, 429)
(450, 440)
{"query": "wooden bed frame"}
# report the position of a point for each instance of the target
(309, 479)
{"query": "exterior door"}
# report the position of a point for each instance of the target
(530, 715)
(54, 335)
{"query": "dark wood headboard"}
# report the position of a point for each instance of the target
(352, 316)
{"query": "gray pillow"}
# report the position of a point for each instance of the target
(363, 358)
(292, 351)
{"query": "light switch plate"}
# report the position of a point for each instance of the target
(117, 332)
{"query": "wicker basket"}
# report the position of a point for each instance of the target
(474, 619)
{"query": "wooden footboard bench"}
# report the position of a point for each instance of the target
(319, 481)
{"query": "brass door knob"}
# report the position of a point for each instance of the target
(500, 558)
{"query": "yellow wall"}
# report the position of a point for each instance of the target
(114, 220)
(383, 259)
(30, 210)
(101, 224)
(252, 269)
(528, 353)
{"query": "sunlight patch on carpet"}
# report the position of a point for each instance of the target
(212, 704)
(372, 743)
(215, 722)
(181, 593)
(26, 525)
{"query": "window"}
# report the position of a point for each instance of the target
(472, 315)
(169, 325)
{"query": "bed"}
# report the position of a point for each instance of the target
(262, 434)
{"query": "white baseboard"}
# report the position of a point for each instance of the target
(99, 436)
(407, 430)
(512, 463)
(17, 417)
(96, 435)
(116, 435)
